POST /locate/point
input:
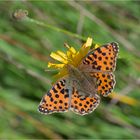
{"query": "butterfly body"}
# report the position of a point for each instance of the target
(82, 81)
(78, 91)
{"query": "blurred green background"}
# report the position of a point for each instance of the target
(24, 53)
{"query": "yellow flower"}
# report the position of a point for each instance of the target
(69, 58)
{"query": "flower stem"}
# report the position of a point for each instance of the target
(28, 19)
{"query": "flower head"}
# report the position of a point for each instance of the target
(72, 57)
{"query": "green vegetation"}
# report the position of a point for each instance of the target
(24, 52)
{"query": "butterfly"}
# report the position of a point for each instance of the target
(79, 90)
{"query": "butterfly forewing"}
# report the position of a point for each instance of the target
(101, 59)
(56, 100)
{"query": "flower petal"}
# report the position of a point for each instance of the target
(58, 58)
(61, 73)
(88, 42)
(72, 50)
(84, 49)
(96, 46)
(52, 65)
(62, 54)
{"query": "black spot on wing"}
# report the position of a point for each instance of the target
(55, 91)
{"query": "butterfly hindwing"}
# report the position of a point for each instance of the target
(101, 59)
(105, 82)
(83, 105)
(56, 100)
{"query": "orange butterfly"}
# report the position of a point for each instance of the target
(78, 91)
